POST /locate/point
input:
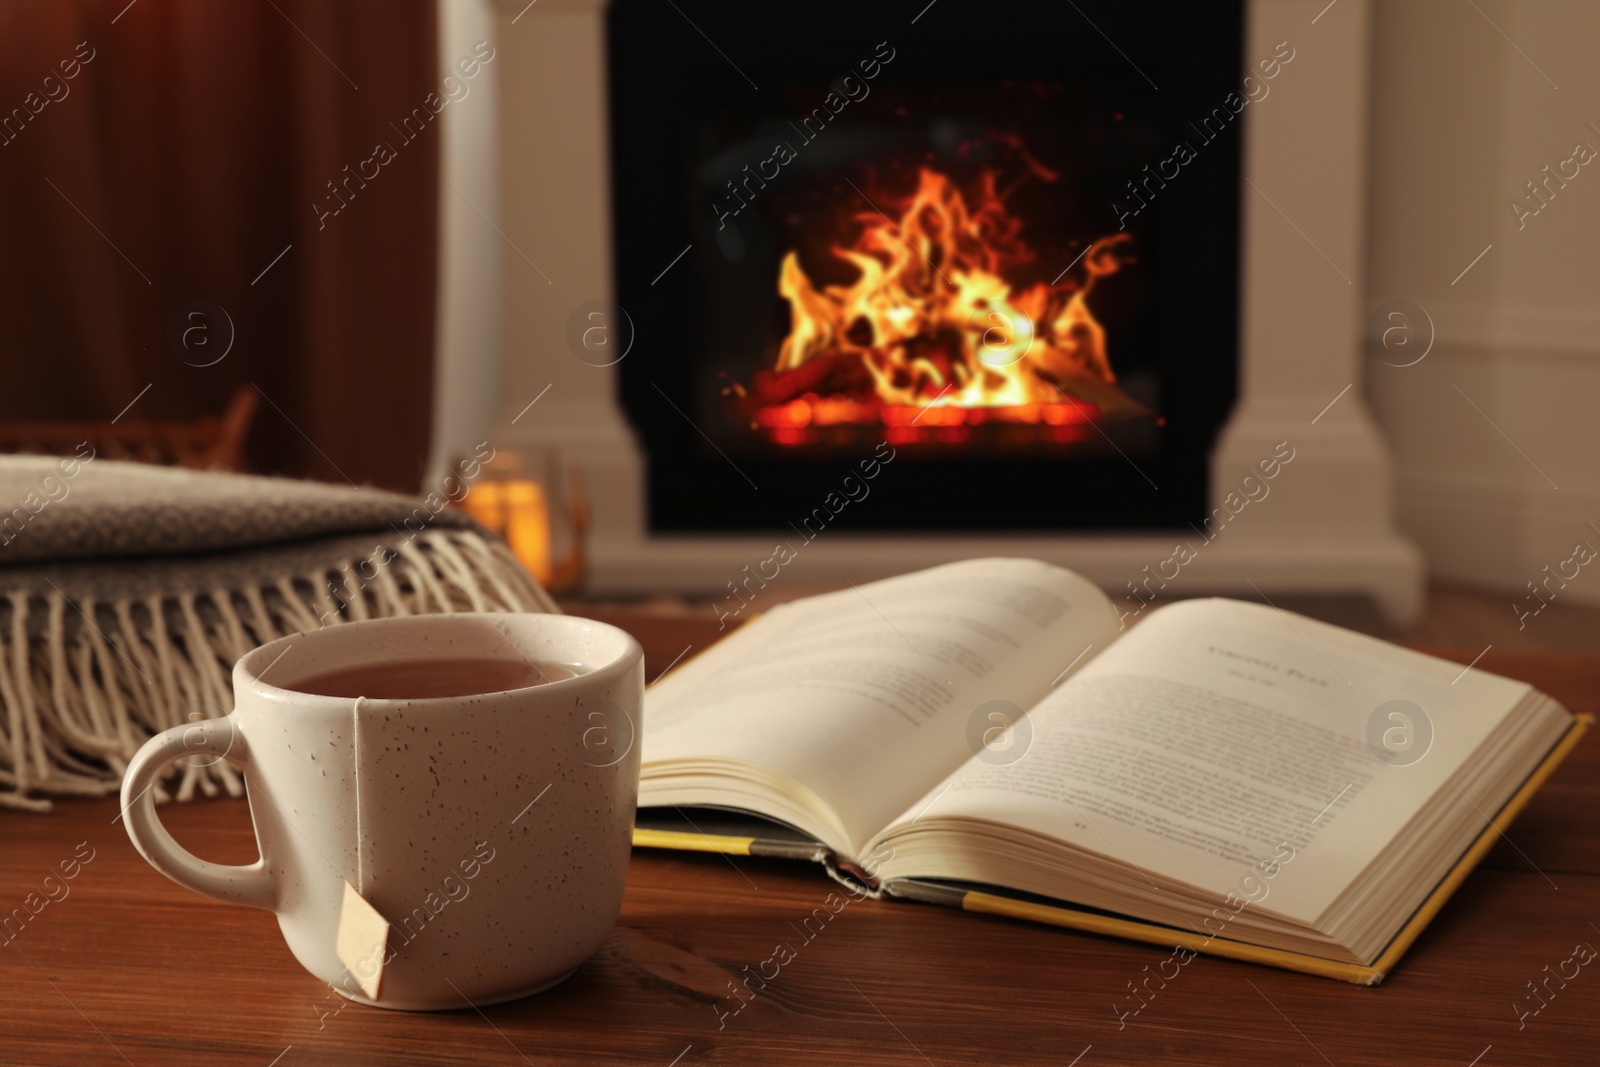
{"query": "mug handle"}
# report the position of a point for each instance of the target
(250, 883)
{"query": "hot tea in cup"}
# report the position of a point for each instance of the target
(471, 778)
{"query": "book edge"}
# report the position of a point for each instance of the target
(1355, 973)
(982, 902)
(1480, 847)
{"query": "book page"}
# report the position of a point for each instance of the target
(868, 696)
(1217, 730)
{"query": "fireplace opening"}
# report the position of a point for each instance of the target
(929, 339)
(964, 249)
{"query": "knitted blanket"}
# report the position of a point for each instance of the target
(128, 591)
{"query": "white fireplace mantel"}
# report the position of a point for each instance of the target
(1327, 525)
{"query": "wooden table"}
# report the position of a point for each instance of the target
(129, 968)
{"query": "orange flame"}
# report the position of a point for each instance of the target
(932, 316)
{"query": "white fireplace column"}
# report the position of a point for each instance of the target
(1326, 526)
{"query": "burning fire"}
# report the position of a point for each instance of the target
(931, 322)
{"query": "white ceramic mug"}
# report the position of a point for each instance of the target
(491, 831)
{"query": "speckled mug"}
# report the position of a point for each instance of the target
(491, 831)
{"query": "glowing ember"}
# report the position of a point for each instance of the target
(931, 323)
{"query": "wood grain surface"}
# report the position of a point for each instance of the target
(128, 968)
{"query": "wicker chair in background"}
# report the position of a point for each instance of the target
(211, 442)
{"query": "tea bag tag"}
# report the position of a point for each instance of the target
(362, 941)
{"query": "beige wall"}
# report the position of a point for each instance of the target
(1460, 121)
(469, 328)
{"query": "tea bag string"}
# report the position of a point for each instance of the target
(355, 733)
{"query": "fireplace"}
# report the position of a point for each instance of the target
(1245, 317)
(908, 236)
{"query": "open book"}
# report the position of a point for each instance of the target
(984, 733)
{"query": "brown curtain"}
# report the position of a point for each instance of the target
(170, 151)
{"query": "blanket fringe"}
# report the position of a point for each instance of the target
(85, 690)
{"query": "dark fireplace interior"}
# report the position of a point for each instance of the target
(966, 243)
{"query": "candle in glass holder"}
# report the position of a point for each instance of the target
(517, 510)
